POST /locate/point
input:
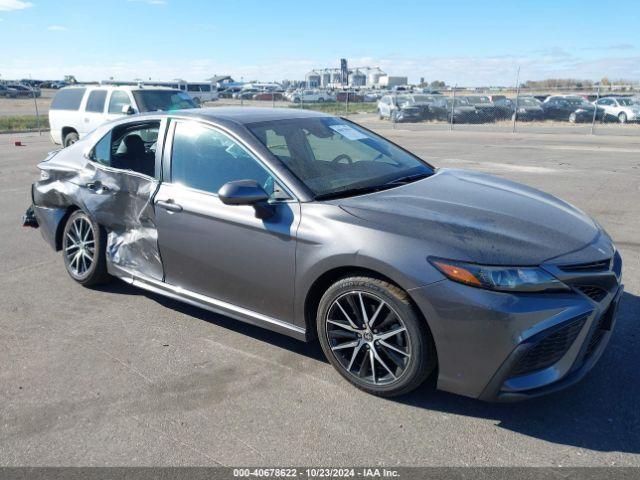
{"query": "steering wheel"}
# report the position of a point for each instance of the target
(343, 156)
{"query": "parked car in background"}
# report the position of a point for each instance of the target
(371, 96)
(353, 96)
(504, 106)
(486, 110)
(398, 108)
(457, 110)
(621, 109)
(76, 111)
(228, 92)
(271, 96)
(528, 109)
(311, 96)
(246, 93)
(427, 104)
(8, 92)
(571, 108)
(24, 90)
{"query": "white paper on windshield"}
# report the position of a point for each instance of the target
(348, 132)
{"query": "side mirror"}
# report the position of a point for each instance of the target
(246, 192)
(128, 110)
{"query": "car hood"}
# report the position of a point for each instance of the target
(475, 217)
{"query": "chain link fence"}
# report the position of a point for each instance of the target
(544, 107)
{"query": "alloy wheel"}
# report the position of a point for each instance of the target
(79, 246)
(368, 338)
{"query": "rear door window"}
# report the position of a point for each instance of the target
(95, 102)
(129, 147)
(68, 99)
(119, 99)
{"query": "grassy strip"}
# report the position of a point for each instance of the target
(21, 123)
(339, 108)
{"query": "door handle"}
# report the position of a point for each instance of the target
(169, 205)
(96, 187)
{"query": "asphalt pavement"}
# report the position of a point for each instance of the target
(118, 376)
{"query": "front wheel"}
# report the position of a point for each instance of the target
(83, 250)
(371, 333)
(70, 138)
(573, 118)
(622, 117)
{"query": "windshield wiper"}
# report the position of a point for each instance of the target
(408, 179)
(372, 188)
(352, 191)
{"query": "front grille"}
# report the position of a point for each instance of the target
(549, 349)
(600, 266)
(596, 294)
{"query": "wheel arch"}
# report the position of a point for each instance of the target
(67, 130)
(328, 278)
(63, 221)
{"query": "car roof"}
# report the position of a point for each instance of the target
(246, 115)
(119, 87)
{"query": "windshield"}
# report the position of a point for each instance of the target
(334, 157)
(166, 100)
(423, 98)
(459, 102)
(479, 99)
(528, 102)
(578, 102)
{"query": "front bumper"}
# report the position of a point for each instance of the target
(483, 337)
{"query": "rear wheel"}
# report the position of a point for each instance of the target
(622, 117)
(70, 138)
(83, 250)
(573, 118)
(373, 336)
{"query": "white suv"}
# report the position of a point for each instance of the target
(623, 108)
(76, 111)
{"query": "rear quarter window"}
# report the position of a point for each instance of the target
(67, 99)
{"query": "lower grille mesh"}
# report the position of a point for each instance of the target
(549, 349)
(596, 294)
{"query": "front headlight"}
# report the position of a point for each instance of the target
(504, 279)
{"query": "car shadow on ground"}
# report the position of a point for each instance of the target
(601, 413)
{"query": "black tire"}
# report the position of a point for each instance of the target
(573, 118)
(420, 357)
(622, 117)
(380, 116)
(70, 138)
(321, 100)
(96, 272)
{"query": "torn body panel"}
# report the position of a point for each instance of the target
(119, 201)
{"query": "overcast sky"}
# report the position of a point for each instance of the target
(463, 42)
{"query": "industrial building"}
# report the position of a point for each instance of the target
(372, 77)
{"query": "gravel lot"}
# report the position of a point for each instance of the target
(118, 376)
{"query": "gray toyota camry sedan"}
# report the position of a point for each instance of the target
(312, 226)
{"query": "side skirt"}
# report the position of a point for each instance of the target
(211, 304)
